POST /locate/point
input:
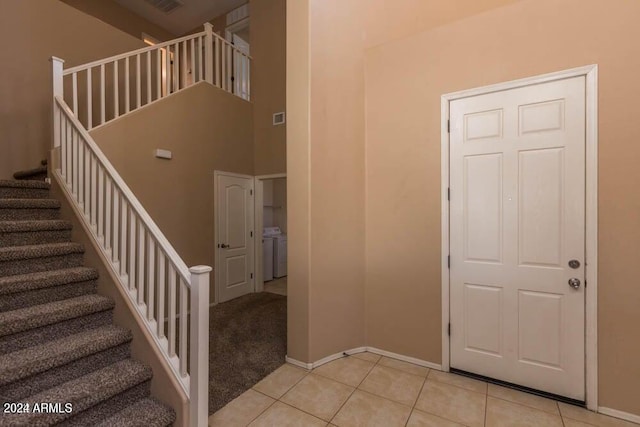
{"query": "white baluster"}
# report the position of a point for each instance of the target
(199, 351)
(151, 274)
(140, 264)
(94, 190)
(172, 311)
(123, 239)
(102, 97)
(193, 61)
(132, 249)
(127, 78)
(87, 183)
(74, 162)
(100, 205)
(161, 291)
(89, 101)
(224, 66)
(167, 71)
(138, 90)
(63, 144)
(81, 172)
(115, 255)
(116, 91)
(107, 213)
(74, 90)
(176, 71)
(182, 348)
(148, 77)
(158, 73)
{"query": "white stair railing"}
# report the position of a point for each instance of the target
(170, 299)
(103, 90)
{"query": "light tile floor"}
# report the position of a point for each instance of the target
(369, 390)
(276, 286)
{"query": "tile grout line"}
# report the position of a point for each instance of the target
(486, 405)
(417, 397)
(356, 388)
(276, 400)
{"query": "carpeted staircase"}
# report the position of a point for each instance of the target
(58, 343)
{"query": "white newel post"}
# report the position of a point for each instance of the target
(208, 52)
(199, 372)
(57, 66)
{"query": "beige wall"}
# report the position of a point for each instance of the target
(325, 157)
(267, 38)
(120, 17)
(39, 29)
(268, 83)
(206, 130)
(405, 79)
(413, 55)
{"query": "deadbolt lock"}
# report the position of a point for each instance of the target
(574, 263)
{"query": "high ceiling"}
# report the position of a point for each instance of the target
(184, 18)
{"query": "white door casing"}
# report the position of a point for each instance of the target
(517, 216)
(234, 235)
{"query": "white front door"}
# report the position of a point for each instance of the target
(234, 236)
(517, 219)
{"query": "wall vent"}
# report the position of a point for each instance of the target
(278, 119)
(238, 14)
(165, 6)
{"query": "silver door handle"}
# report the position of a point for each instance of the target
(574, 283)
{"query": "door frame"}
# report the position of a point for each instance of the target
(590, 72)
(217, 281)
(258, 225)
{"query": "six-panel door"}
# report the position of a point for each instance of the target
(517, 217)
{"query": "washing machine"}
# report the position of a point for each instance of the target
(280, 255)
(279, 250)
(267, 259)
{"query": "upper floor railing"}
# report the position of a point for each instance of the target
(103, 90)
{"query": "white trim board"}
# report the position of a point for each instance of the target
(591, 209)
(619, 414)
(335, 356)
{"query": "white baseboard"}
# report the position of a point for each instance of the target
(331, 358)
(299, 364)
(403, 358)
(620, 414)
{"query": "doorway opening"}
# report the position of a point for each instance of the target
(271, 221)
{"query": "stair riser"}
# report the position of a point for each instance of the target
(36, 265)
(24, 238)
(13, 214)
(44, 334)
(29, 386)
(24, 193)
(19, 300)
(40, 176)
(92, 416)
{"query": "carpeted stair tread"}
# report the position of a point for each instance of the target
(12, 322)
(34, 225)
(145, 412)
(13, 253)
(83, 393)
(29, 203)
(12, 183)
(39, 358)
(46, 279)
(35, 172)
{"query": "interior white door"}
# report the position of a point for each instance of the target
(241, 69)
(235, 241)
(517, 219)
